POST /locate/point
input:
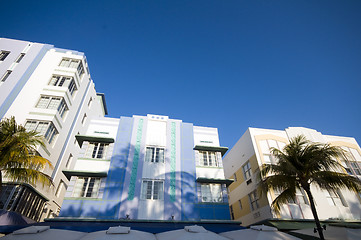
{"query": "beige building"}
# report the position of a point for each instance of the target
(253, 149)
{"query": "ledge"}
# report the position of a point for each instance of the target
(82, 138)
(223, 150)
(215, 180)
(69, 173)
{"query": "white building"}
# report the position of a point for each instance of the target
(253, 150)
(49, 90)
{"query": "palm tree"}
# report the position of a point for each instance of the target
(301, 164)
(19, 160)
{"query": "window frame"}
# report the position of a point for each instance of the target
(148, 192)
(20, 57)
(68, 161)
(240, 204)
(350, 163)
(155, 157)
(83, 120)
(247, 171)
(4, 54)
(205, 159)
(253, 200)
(49, 132)
(60, 188)
(231, 211)
(94, 148)
(63, 81)
(267, 153)
(61, 107)
(211, 193)
(334, 196)
(73, 63)
(5, 76)
(81, 189)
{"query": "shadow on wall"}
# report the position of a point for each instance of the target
(108, 206)
(355, 207)
(179, 205)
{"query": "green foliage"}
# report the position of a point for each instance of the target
(19, 160)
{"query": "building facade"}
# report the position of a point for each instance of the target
(147, 167)
(48, 90)
(252, 150)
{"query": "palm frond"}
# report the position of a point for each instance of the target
(334, 180)
(283, 198)
(18, 156)
(28, 175)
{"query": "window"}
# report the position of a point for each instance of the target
(253, 200)
(83, 119)
(207, 158)
(247, 172)
(3, 55)
(63, 81)
(266, 146)
(154, 154)
(87, 187)
(355, 167)
(47, 129)
(50, 214)
(70, 159)
(62, 108)
(90, 101)
(152, 189)
(5, 76)
(211, 192)
(51, 102)
(96, 150)
(351, 165)
(72, 87)
(60, 188)
(21, 56)
(73, 63)
(231, 211)
(240, 204)
(335, 198)
(269, 159)
(300, 197)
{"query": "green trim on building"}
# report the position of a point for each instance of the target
(172, 161)
(133, 177)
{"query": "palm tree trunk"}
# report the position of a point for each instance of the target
(314, 212)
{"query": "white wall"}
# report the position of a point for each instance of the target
(206, 136)
(23, 108)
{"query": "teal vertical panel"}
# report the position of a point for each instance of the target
(133, 176)
(173, 162)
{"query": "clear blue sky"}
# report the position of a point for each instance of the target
(225, 64)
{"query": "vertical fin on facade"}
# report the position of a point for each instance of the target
(173, 162)
(133, 177)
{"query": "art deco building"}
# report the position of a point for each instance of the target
(147, 167)
(49, 90)
(252, 150)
